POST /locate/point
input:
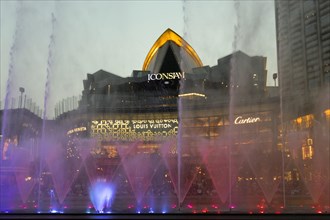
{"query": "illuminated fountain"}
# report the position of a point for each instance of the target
(101, 194)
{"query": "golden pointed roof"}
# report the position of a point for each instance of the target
(170, 35)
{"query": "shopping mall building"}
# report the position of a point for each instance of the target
(174, 86)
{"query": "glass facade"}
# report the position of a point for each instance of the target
(303, 37)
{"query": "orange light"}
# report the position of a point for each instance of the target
(327, 114)
(167, 36)
(299, 120)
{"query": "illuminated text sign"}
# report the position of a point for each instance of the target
(76, 130)
(165, 76)
(131, 130)
(247, 120)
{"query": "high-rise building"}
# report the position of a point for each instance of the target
(303, 47)
(303, 50)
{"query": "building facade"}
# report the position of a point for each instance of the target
(303, 48)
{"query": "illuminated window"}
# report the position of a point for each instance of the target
(288, 176)
(307, 152)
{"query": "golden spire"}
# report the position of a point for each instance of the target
(170, 35)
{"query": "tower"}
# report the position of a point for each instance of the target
(303, 49)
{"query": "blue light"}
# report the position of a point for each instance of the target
(101, 194)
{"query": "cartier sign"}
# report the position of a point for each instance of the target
(246, 120)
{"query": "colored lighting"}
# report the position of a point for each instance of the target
(215, 206)
(191, 94)
(170, 35)
(204, 210)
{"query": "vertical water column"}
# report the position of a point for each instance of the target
(179, 137)
(49, 68)
(282, 133)
(233, 74)
(4, 160)
(44, 142)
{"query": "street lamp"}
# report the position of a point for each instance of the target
(22, 90)
(274, 78)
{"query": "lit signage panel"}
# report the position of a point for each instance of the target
(75, 130)
(250, 119)
(246, 120)
(165, 76)
(131, 130)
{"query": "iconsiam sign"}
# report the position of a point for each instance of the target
(164, 76)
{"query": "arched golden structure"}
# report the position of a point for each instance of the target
(170, 35)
